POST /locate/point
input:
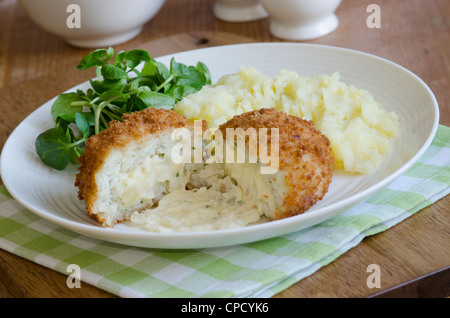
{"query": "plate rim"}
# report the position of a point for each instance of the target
(91, 230)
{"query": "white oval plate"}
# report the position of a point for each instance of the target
(52, 195)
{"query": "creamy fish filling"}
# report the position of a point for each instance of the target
(217, 196)
(142, 184)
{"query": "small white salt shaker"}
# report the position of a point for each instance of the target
(301, 20)
(239, 10)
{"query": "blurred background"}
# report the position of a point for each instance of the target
(413, 32)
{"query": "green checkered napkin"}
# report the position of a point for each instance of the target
(259, 269)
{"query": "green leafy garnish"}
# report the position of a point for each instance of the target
(119, 88)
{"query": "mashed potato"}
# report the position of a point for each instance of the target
(358, 128)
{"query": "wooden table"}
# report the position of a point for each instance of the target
(413, 255)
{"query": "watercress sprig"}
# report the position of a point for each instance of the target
(119, 88)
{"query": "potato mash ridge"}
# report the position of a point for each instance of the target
(357, 126)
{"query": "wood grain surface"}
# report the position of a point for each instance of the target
(413, 255)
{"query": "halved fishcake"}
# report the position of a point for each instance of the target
(305, 157)
(128, 167)
(128, 172)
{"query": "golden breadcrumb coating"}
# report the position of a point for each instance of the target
(304, 154)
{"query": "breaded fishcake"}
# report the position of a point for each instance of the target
(108, 155)
(305, 157)
(128, 172)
